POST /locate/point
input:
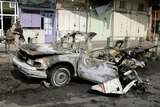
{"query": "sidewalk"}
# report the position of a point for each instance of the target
(6, 58)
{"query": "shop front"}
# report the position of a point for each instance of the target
(38, 20)
(8, 14)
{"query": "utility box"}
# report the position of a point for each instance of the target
(155, 40)
(127, 42)
(109, 42)
(141, 41)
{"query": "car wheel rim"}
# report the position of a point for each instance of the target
(62, 76)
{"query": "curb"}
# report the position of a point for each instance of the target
(6, 59)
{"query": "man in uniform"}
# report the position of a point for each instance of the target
(9, 39)
(18, 34)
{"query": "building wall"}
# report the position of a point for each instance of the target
(68, 21)
(155, 23)
(131, 25)
(31, 20)
(157, 15)
(101, 24)
(8, 13)
(40, 20)
(131, 20)
(70, 4)
(131, 4)
(34, 35)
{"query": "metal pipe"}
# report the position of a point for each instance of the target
(87, 16)
(1, 17)
(155, 23)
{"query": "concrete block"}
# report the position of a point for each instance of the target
(127, 42)
(109, 42)
(141, 41)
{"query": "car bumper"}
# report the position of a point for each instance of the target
(28, 70)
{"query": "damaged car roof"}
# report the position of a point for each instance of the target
(53, 48)
(43, 49)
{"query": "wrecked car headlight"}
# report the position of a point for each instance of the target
(30, 62)
(41, 64)
(38, 64)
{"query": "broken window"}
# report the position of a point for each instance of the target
(158, 28)
(122, 4)
(7, 8)
(141, 7)
(155, 15)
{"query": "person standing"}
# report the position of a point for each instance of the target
(8, 39)
(18, 33)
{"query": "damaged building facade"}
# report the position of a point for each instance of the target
(115, 18)
(81, 16)
(154, 20)
(130, 19)
(71, 16)
(37, 19)
(49, 22)
(8, 13)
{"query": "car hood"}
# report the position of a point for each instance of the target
(43, 49)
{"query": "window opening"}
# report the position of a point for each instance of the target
(122, 5)
(141, 7)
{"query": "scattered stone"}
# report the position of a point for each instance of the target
(103, 106)
(157, 101)
(114, 104)
(156, 87)
(93, 101)
(46, 84)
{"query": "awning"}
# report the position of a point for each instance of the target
(38, 3)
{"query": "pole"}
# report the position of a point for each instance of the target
(155, 23)
(87, 15)
(127, 23)
(89, 44)
(149, 34)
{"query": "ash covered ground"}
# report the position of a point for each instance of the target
(17, 90)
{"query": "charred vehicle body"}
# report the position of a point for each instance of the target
(60, 65)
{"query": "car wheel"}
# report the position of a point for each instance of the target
(60, 76)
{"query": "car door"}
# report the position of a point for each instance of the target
(95, 70)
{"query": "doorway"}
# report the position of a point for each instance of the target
(7, 22)
(48, 25)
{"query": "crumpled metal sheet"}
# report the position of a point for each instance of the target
(113, 87)
(42, 49)
(97, 71)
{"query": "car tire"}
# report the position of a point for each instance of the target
(60, 76)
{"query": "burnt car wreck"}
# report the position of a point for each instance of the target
(114, 73)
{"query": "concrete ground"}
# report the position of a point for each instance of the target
(17, 90)
(6, 58)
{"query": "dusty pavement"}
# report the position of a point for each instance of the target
(16, 90)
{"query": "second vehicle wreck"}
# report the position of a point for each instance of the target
(60, 65)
